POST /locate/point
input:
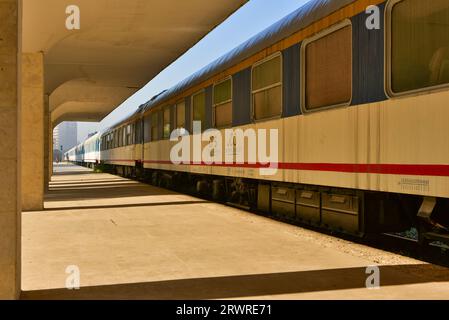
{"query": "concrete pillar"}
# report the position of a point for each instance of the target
(50, 162)
(46, 144)
(10, 150)
(32, 126)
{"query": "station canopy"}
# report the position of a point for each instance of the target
(121, 45)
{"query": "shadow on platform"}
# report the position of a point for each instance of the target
(250, 285)
(136, 205)
(110, 188)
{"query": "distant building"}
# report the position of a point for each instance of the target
(65, 136)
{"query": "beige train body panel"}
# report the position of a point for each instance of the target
(123, 156)
(411, 130)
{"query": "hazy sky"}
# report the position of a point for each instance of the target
(252, 18)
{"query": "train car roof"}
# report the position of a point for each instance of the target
(299, 19)
(122, 121)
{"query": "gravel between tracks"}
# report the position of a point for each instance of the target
(376, 256)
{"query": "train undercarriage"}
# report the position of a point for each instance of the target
(345, 211)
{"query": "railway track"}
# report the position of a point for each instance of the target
(435, 252)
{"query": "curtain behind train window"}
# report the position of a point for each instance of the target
(167, 123)
(199, 107)
(267, 88)
(181, 115)
(154, 126)
(223, 104)
(419, 44)
(328, 70)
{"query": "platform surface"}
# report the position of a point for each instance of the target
(134, 241)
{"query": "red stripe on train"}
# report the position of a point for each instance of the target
(399, 169)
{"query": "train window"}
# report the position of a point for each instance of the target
(180, 115)
(117, 138)
(140, 131)
(126, 135)
(199, 107)
(154, 127)
(418, 40)
(327, 68)
(167, 123)
(223, 104)
(267, 88)
(131, 134)
(137, 132)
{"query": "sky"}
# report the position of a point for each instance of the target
(251, 19)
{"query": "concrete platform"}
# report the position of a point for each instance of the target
(134, 241)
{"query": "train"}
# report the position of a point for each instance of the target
(358, 93)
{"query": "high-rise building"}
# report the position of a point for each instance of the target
(65, 136)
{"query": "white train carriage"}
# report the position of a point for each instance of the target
(91, 150)
(85, 154)
(121, 147)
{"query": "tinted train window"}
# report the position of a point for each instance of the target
(180, 115)
(128, 135)
(154, 127)
(167, 123)
(137, 132)
(419, 44)
(199, 107)
(118, 138)
(327, 67)
(267, 88)
(223, 103)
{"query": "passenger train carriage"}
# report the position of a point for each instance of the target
(87, 153)
(362, 114)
